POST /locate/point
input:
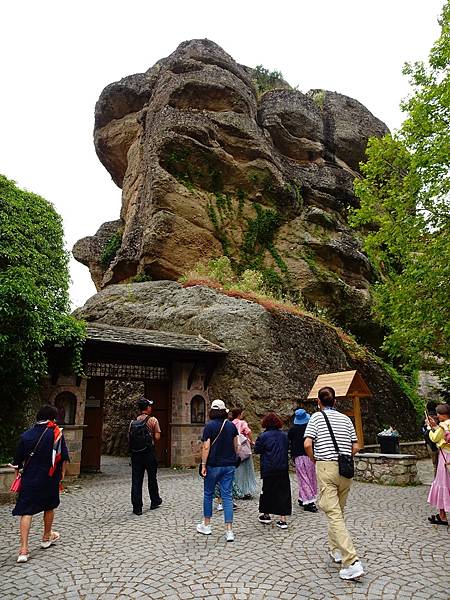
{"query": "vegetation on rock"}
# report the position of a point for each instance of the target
(405, 215)
(34, 303)
(266, 80)
(110, 250)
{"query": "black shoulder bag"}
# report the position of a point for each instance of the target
(345, 461)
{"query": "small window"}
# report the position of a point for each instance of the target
(66, 404)
(198, 409)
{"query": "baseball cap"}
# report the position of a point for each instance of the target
(144, 402)
(219, 405)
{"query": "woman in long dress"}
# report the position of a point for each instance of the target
(275, 497)
(439, 496)
(42, 455)
(245, 474)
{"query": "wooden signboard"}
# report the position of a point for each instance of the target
(346, 384)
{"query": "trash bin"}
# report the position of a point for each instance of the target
(389, 444)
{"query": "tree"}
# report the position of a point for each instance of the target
(34, 303)
(405, 216)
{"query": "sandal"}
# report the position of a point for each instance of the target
(436, 520)
(54, 537)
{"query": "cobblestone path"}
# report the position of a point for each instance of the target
(107, 553)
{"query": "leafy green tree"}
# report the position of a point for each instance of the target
(34, 303)
(405, 216)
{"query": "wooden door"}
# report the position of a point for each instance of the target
(159, 392)
(93, 419)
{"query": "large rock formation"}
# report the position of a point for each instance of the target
(274, 357)
(209, 167)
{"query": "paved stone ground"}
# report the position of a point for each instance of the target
(107, 553)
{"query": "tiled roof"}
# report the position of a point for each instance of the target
(150, 338)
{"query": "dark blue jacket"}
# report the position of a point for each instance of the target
(272, 445)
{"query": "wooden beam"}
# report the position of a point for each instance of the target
(358, 420)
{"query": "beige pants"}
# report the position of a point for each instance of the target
(333, 492)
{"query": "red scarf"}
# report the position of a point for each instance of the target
(57, 446)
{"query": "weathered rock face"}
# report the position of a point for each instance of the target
(207, 168)
(274, 357)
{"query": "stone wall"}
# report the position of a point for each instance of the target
(419, 449)
(386, 469)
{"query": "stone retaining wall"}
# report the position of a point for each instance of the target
(386, 469)
(419, 448)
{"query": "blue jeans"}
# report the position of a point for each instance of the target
(224, 477)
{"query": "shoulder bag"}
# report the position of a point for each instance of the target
(345, 461)
(17, 483)
(214, 441)
(245, 450)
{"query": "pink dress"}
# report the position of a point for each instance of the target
(242, 427)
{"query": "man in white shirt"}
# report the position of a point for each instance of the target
(333, 488)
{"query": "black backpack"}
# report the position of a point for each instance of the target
(139, 435)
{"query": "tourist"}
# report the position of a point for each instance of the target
(245, 474)
(305, 468)
(41, 457)
(219, 449)
(439, 496)
(432, 449)
(333, 487)
(275, 496)
(142, 434)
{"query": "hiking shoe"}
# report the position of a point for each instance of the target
(264, 519)
(219, 507)
(353, 571)
(336, 555)
(229, 535)
(281, 524)
(137, 512)
(156, 504)
(205, 529)
(235, 506)
(311, 507)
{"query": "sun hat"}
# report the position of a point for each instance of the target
(301, 417)
(219, 405)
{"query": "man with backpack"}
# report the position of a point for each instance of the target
(142, 433)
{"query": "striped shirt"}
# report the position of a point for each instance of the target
(343, 430)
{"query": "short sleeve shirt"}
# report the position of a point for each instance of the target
(152, 424)
(222, 453)
(343, 430)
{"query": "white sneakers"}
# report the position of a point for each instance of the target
(353, 571)
(205, 529)
(336, 555)
(23, 558)
(229, 535)
(219, 507)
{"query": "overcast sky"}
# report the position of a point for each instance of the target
(57, 56)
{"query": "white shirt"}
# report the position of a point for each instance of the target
(343, 430)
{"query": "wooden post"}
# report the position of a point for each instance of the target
(358, 420)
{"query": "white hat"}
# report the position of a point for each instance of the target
(219, 405)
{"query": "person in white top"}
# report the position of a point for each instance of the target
(333, 488)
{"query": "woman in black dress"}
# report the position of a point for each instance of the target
(275, 497)
(42, 454)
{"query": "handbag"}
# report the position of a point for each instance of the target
(17, 483)
(214, 441)
(245, 450)
(446, 463)
(345, 461)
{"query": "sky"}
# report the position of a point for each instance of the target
(57, 56)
